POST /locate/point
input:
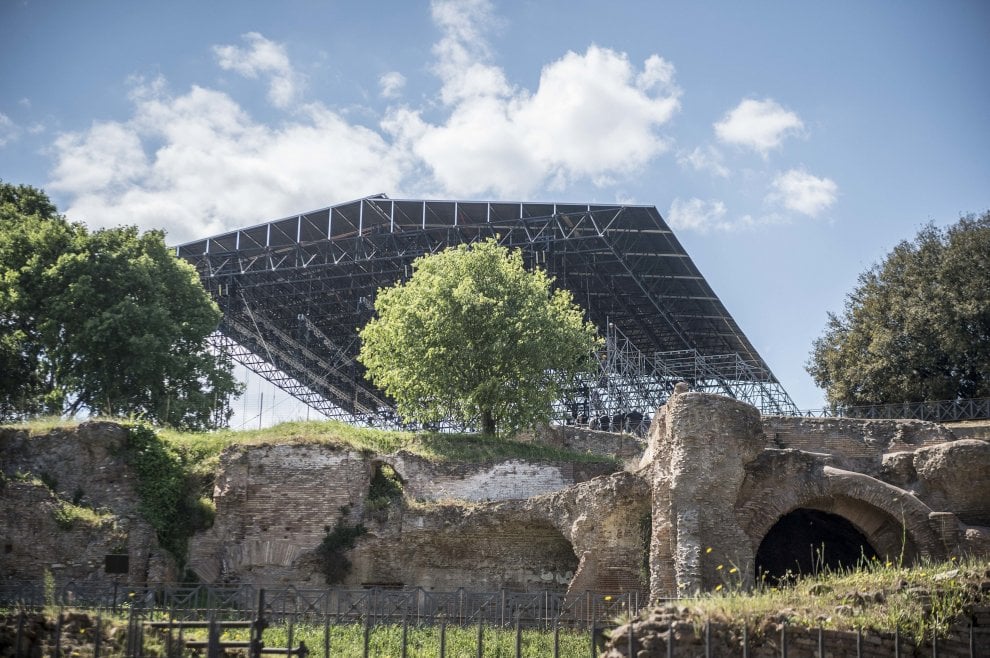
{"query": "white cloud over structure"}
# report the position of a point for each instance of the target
(593, 116)
(263, 57)
(214, 167)
(197, 163)
(802, 192)
(697, 215)
(761, 125)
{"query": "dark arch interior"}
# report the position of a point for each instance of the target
(808, 541)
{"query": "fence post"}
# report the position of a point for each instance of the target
(518, 635)
(897, 642)
(326, 634)
(783, 640)
(670, 640)
(745, 639)
(96, 637)
(556, 637)
(481, 637)
(20, 634)
(405, 636)
(708, 640)
(367, 634)
(443, 637)
(257, 628)
(594, 649)
(821, 643)
(859, 643)
(629, 636)
(291, 629)
(58, 635)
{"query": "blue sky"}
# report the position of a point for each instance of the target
(789, 144)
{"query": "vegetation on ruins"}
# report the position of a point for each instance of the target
(917, 327)
(472, 335)
(108, 322)
(331, 554)
(171, 495)
(921, 600)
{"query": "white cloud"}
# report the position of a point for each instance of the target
(593, 115)
(8, 130)
(263, 57)
(801, 192)
(759, 125)
(392, 84)
(697, 215)
(708, 159)
(197, 163)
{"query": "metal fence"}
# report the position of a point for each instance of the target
(340, 605)
(939, 411)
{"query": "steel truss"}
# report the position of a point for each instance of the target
(294, 293)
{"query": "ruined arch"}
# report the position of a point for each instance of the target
(893, 522)
(809, 541)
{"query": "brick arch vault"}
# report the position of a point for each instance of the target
(896, 524)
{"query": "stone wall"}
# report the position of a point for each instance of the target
(81, 465)
(275, 504)
(855, 445)
(506, 480)
(688, 637)
(699, 444)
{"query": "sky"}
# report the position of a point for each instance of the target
(790, 145)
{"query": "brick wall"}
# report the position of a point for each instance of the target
(857, 445)
(512, 479)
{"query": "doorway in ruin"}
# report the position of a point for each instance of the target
(808, 541)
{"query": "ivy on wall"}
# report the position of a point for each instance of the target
(168, 496)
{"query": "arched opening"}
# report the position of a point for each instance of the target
(807, 541)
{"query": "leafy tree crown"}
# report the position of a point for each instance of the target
(917, 327)
(473, 335)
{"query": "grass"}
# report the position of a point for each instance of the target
(922, 600)
(422, 641)
(204, 447)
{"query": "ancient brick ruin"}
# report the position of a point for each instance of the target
(715, 484)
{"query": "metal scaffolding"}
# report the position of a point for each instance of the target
(295, 291)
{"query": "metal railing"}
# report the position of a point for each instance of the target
(416, 605)
(939, 411)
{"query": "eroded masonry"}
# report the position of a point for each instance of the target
(715, 484)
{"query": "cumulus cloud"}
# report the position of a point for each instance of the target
(392, 84)
(263, 57)
(593, 116)
(801, 192)
(759, 125)
(198, 163)
(697, 215)
(708, 159)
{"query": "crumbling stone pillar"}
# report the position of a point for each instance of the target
(699, 446)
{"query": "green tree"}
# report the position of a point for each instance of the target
(917, 327)
(472, 335)
(109, 321)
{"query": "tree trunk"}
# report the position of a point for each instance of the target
(487, 422)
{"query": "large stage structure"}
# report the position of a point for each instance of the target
(294, 292)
